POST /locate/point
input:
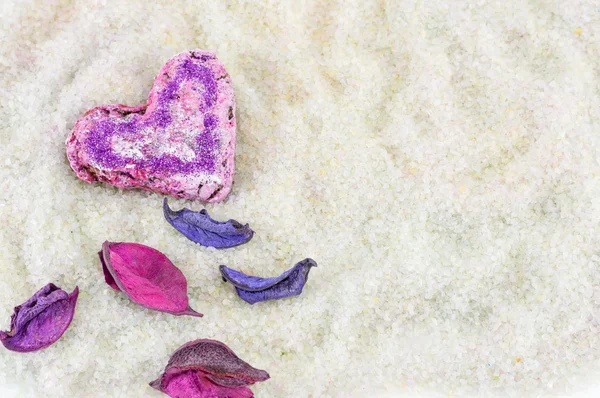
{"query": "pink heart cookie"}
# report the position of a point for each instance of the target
(180, 143)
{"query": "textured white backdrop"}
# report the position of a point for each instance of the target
(438, 159)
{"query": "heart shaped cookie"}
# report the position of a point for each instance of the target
(180, 143)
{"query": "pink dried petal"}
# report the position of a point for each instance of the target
(146, 276)
(108, 278)
(207, 367)
(192, 384)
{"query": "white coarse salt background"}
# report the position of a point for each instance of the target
(439, 160)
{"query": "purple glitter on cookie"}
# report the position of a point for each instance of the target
(100, 137)
(181, 142)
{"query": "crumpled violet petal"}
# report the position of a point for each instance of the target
(199, 227)
(253, 289)
(146, 276)
(207, 369)
(41, 320)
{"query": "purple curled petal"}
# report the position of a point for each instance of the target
(253, 283)
(253, 289)
(200, 228)
(41, 320)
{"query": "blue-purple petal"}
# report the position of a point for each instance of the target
(200, 228)
(253, 289)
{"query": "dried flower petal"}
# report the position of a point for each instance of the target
(192, 384)
(199, 227)
(253, 289)
(41, 320)
(207, 369)
(146, 276)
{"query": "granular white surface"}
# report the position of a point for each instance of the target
(438, 159)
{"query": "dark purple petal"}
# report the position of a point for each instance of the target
(204, 367)
(199, 227)
(253, 289)
(146, 276)
(41, 320)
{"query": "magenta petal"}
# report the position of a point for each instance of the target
(192, 384)
(207, 367)
(146, 276)
(41, 320)
(108, 278)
